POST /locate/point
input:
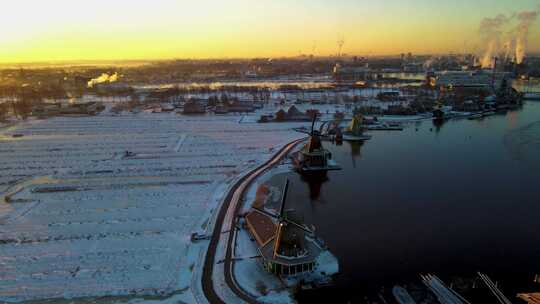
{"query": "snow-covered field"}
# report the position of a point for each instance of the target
(80, 217)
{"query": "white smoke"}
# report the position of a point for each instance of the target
(506, 36)
(491, 30)
(526, 19)
(429, 63)
(103, 78)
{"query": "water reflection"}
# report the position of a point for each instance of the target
(314, 183)
(450, 204)
(438, 123)
(512, 120)
(355, 151)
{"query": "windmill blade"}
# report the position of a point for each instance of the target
(264, 212)
(303, 227)
(283, 198)
(323, 125)
(300, 130)
(313, 122)
(282, 210)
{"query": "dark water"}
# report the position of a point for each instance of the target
(450, 200)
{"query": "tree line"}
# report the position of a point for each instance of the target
(20, 100)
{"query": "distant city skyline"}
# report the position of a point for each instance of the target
(62, 30)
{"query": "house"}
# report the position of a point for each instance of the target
(240, 106)
(351, 74)
(389, 96)
(194, 107)
(89, 108)
(47, 109)
(292, 114)
(483, 80)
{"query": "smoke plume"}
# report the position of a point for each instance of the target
(491, 30)
(103, 78)
(525, 19)
(506, 36)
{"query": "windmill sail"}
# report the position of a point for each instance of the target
(313, 124)
(355, 126)
(283, 199)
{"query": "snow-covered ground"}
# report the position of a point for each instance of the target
(248, 269)
(80, 217)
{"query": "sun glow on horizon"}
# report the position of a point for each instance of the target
(33, 30)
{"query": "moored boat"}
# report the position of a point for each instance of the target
(402, 296)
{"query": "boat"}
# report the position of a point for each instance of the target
(475, 116)
(384, 127)
(402, 296)
(355, 130)
(313, 157)
(348, 137)
(482, 114)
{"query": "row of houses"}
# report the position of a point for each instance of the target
(53, 109)
(199, 106)
(292, 114)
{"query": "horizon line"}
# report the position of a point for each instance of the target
(149, 60)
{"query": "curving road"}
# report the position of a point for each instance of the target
(232, 200)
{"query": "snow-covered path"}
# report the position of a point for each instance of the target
(81, 217)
